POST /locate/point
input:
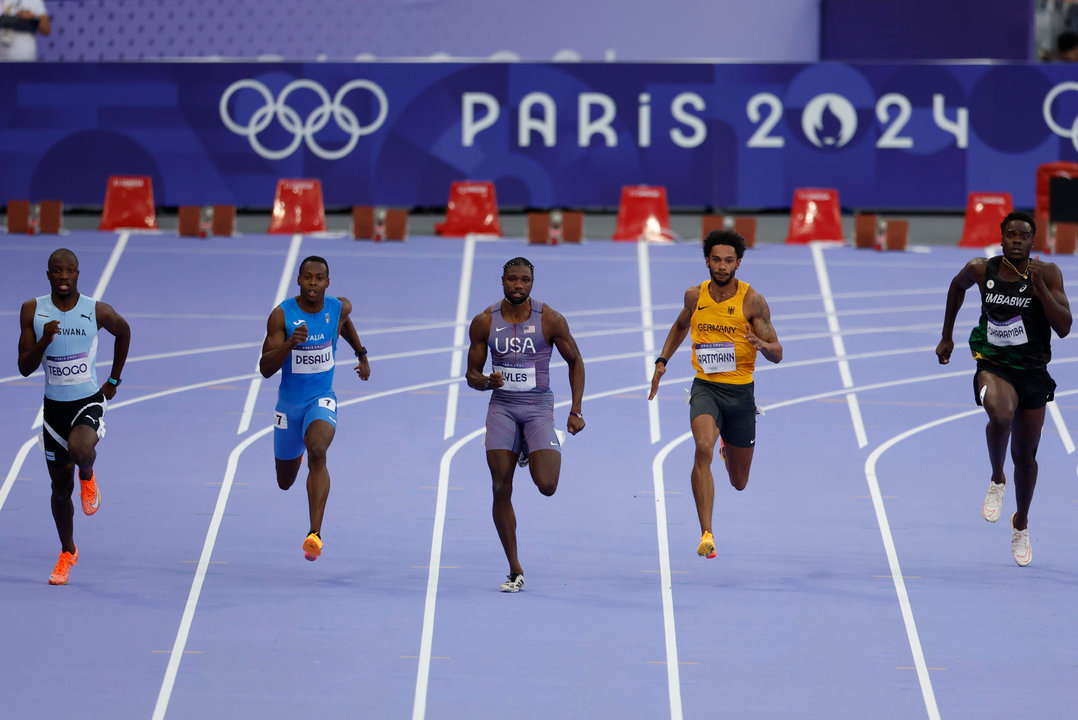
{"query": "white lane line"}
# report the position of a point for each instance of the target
(460, 330)
(200, 575)
(110, 266)
(16, 466)
(419, 705)
(643, 264)
(836, 339)
(673, 673)
(282, 288)
(1061, 427)
(892, 558)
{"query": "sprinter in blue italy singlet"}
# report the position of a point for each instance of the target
(59, 333)
(301, 342)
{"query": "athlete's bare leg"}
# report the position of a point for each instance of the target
(502, 463)
(287, 471)
(82, 447)
(1000, 401)
(63, 509)
(318, 437)
(738, 462)
(705, 433)
(1025, 440)
(545, 466)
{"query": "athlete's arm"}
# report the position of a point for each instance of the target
(1048, 287)
(556, 330)
(114, 322)
(348, 331)
(32, 350)
(675, 337)
(967, 277)
(277, 345)
(477, 355)
(760, 332)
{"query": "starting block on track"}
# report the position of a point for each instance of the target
(297, 207)
(897, 235)
(472, 208)
(746, 228)
(865, 229)
(815, 215)
(1066, 238)
(556, 226)
(18, 216)
(379, 223)
(129, 203)
(984, 213)
(643, 214)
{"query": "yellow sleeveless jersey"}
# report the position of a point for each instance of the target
(720, 352)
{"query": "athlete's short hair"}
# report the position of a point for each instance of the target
(518, 261)
(63, 253)
(314, 258)
(724, 237)
(1019, 215)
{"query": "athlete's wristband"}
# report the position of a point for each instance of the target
(361, 352)
(660, 359)
(115, 382)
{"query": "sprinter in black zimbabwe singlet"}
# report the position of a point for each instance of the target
(729, 323)
(1022, 301)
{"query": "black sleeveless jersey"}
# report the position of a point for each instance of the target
(1013, 330)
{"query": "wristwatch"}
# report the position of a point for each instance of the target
(114, 381)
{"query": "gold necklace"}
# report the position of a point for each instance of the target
(1023, 275)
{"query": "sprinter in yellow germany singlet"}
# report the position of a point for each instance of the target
(729, 323)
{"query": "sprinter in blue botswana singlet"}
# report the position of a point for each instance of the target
(59, 333)
(301, 342)
(519, 331)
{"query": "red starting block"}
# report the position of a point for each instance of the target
(815, 215)
(473, 208)
(129, 203)
(984, 213)
(297, 207)
(643, 214)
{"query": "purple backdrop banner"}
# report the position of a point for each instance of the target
(715, 135)
(339, 30)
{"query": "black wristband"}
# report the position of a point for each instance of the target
(660, 359)
(361, 352)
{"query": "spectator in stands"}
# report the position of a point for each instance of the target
(20, 22)
(1067, 47)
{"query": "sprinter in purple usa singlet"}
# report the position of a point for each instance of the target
(519, 332)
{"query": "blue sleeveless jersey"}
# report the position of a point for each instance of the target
(70, 357)
(308, 371)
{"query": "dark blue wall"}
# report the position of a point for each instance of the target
(926, 29)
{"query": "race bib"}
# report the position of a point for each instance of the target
(1007, 333)
(310, 359)
(67, 369)
(519, 377)
(716, 357)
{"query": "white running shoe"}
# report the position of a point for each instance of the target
(515, 583)
(522, 461)
(1020, 545)
(993, 501)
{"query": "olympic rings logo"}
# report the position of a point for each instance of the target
(1072, 131)
(304, 130)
